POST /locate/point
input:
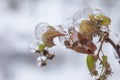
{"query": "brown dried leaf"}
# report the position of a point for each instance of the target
(86, 45)
(48, 36)
(91, 46)
(86, 42)
(80, 49)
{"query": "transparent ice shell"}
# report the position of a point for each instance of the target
(40, 29)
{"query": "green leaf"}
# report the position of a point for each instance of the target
(91, 64)
(104, 19)
(41, 47)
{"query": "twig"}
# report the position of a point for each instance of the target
(100, 48)
(114, 46)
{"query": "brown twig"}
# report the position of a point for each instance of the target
(114, 46)
(99, 49)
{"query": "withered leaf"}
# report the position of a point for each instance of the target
(86, 45)
(80, 49)
(48, 36)
(91, 46)
(83, 50)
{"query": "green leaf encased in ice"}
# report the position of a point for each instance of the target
(104, 19)
(91, 63)
(41, 47)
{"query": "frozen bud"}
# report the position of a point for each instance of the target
(50, 56)
(41, 47)
(45, 52)
(41, 61)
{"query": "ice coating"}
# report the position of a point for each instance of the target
(34, 45)
(40, 29)
(82, 14)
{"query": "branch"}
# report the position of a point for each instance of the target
(100, 48)
(114, 46)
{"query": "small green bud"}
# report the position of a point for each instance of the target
(41, 47)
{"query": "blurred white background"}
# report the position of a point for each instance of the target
(18, 19)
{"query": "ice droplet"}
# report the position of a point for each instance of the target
(41, 61)
(97, 11)
(40, 29)
(60, 29)
(67, 23)
(34, 45)
(80, 15)
(43, 58)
